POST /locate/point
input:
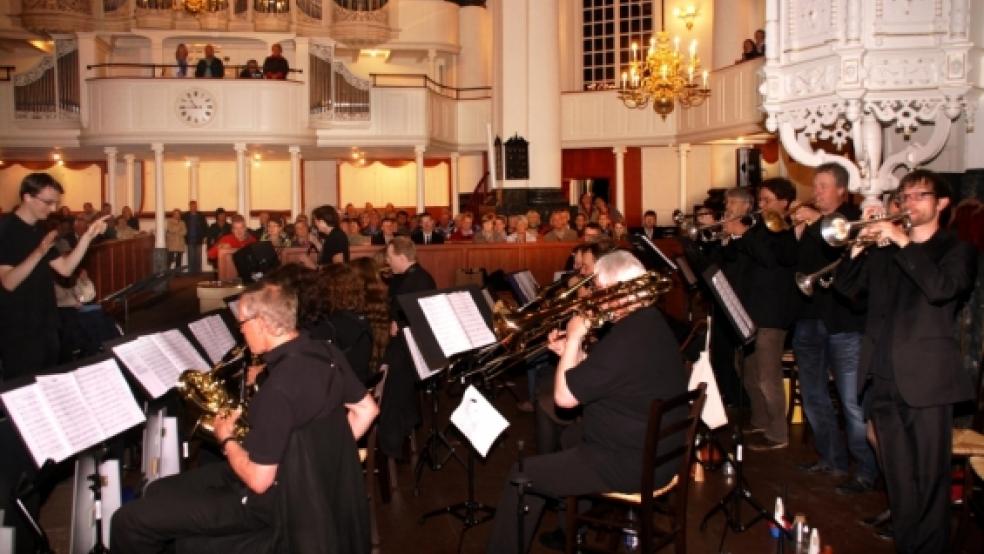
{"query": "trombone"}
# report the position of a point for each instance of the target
(714, 231)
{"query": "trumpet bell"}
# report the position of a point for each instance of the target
(805, 283)
(835, 229)
(774, 221)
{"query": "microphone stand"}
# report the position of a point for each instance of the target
(25, 488)
(95, 486)
(522, 483)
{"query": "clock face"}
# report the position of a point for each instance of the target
(196, 106)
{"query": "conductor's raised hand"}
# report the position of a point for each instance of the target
(47, 242)
(97, 227)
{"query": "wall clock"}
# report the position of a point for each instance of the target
(196, 106)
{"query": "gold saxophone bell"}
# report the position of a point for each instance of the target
(209, 392)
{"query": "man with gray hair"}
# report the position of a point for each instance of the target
(308, 414)
(632, 364)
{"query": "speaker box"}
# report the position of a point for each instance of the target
(748, 167)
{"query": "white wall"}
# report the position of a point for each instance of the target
(320, 184)
(379, 184)
(81, 186)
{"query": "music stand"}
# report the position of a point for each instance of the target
(255, 260)
(123, 295)
(434, 351)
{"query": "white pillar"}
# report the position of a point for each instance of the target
(619, 179)
(158, 149)
(131, 182)
(510, 59)
(194, 164)
(455, 182)
(683, 150)
(295, 181)
(543, 93)
(474, 37)
(242, 192)
(418, 153)
(111, 176)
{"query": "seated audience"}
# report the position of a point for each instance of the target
(427, 233)
(237, 238)
(251, 71)
(523, 233)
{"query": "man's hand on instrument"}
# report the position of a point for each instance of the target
(557, 341)
(225, 424)
(804, 214)
(252, 372)
(577, 328)
(889, 232)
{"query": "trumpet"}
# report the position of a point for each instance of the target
(836, 230)
(823, 277)
(209, 392)
(714, 231)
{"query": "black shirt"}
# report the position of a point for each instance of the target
(30, 306)
(215, 231)
(632, 365)
(307, 379)
(275, 67)
(335, 242)
(838, 313)
(414, 279)
(352, 334)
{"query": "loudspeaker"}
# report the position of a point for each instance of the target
(748, 167)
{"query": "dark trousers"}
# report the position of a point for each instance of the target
(724, 348)
(195, 257)
(915, 448)
(207, 501)
(553, 475)
(174, 259)
(763, 382)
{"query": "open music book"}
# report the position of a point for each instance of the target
(60, 415)
(456, 322)
(156, 361)
(423, 370)
(730, 304)
(213, 334)
(524, 286)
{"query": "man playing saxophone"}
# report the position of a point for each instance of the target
(910, 361)
(310, 404)
(635, 362)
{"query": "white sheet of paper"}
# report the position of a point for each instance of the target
(109, 397)
(28, 409)
(478, 420)
(423, 371)
(148, 365)
(714, 415)
(463, 304)
(212, 333)
(71, 412)
(450, 335)
(180, 351)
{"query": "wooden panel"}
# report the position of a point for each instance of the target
(115, 264)
(442, 262)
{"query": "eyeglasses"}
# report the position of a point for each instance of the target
(51, 202)
(243, 322)
(915, 196)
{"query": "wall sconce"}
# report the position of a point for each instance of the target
(687, 15)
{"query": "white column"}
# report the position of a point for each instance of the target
(418, 153)
(194, 164)
(131, 182)
(683, 150)
(455, 182)
(295, 181)
(474, 37)
(510, 78)
(619, 179)
(242, 192)
(543, 93)
(158, 148)
(111, 176)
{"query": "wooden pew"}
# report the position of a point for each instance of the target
(115, 264)
(443, 260)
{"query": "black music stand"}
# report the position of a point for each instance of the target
(123, 295)
(470, 512)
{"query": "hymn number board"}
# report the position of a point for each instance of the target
(517, 158)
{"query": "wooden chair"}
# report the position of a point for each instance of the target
(969, 445)
(610, 511)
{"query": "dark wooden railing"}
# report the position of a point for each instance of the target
(115, 264)
(155, 70)
(419, 80)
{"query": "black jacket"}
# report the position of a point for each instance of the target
(760, 266)
(218, 69)
(914, 294)
(417, 236)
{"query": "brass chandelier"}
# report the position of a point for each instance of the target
(664, 76)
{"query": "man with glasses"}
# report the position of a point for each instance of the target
(299, 451)
(28, 264)
(910, 361)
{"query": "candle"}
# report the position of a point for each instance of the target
(690, 73)
(635, 50)
(693, 48)
(625, 78)
(705, 78)
(676, 44)
(663, 71)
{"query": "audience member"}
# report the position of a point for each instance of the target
(210, 67)
(592, 232)
(174, 235)
(237, 238)
(580, 221)
(263, 218)
(251, 70)
(523, 233)
(387, 230)
(217, 229)
(351, 229)
(181, 60)
(560, 231)
(275, 234)
(197, 229)
(464, 229)
(426, 234)
(760, 42)
(748, 51)
(123, 229)
(130, 219)
(275, 66)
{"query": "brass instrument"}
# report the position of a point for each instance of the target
(209, 391)
(549, 294)
(714, 231)
(838, 231)
(823, 277)
(523, 336)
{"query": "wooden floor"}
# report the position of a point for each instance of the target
(768, 474)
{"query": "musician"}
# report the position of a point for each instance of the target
(308, 413)
(910, 362)
(401, 412)
(764, 261)
(633, 364)
(827, 333)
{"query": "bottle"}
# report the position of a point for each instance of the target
(630, 536)
(814, 542)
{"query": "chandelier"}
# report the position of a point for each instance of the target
(663, 75)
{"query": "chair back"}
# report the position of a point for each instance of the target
(658, 434)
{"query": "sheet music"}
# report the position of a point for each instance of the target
(148, 364)
(180, 351)
(713, 414)
(746, 327)
(36, 424)
(423, 371)
(527, 285)
(478, 420)
(471, 319)
(450, 335)
(109, 398)
(70, 410)
(212, 333)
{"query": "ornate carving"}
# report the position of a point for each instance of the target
(342, 71)
(35, 73)
(812, 81)
(322, 50)
(72, 6)
(895, 71)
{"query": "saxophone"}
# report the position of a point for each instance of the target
(209, 392)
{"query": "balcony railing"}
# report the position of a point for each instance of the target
(154, 70)
(419, 80)
(336, 93)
